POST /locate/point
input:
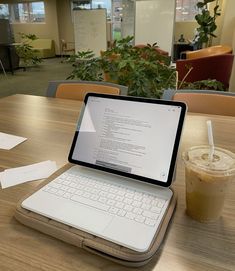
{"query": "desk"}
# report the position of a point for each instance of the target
(49, 124)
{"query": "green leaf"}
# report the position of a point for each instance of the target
(200, 5)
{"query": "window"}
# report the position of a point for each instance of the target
(81, 4)
(4, 11)
(27, 12)
(92, 4)
(186, 10)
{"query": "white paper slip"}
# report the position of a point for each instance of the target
(8, 142)
(14, 176)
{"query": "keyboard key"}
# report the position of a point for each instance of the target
(73, 184)
(97, 186)
(130, 195)
(128, 208)
(111, 202)
(65, 182)
(80, 186)
(67, 195)
(150, 215)
(146, 200)
(52, 190)
(111, 196)
(146, 206)
(60, 193)
(103, 194)
(137, 211)
(150, 222)
(86, 195)
(113, 210)
(70, 178)
(155, 210)
(136, 203)
(119, 198)
(137, 196)
(139, 218)
(64, 187)
(94, 197)
(121, 192)
(72, 190)
(113, 190)
(79, 192)
(130, 215)
(102, 199)
(121, 213)
(95, 191)
(119, 205)
(59, 180)
(161, 203)
(83, 181)
(105, 188)
(154, 202)
(127, 201)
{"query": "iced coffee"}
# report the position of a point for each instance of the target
(207, 181)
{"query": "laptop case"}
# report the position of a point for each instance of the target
(89, 242)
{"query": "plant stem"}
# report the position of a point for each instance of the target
(181, 83)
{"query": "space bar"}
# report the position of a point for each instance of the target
(89, 202)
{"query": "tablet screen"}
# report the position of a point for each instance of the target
(133, 137)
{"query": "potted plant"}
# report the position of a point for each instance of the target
(208, 84)
(206, 21)
(25, 51)
(145, 71)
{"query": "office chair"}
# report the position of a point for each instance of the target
(76, 90)
(209, 51)
(204, 101)
(67, 47)
(217, 67)
(3, 69)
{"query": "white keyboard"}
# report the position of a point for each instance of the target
(115, 199)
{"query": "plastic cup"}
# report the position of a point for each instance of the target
(207, 181)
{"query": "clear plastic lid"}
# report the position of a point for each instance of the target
(223, 161)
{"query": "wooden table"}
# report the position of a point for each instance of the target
(49, 124)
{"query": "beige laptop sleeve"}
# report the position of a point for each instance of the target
(88, 241)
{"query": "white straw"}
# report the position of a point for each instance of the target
(210, 139)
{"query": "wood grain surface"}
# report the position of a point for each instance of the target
(49, 125)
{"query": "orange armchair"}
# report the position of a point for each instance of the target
(209, 51)
(77, 90)
(158, 50)
(217, 67)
